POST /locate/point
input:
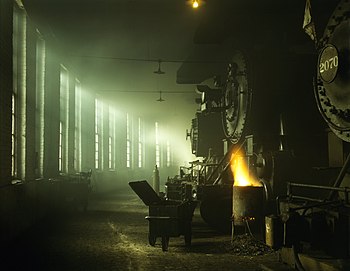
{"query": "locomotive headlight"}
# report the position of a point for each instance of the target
(328, 63)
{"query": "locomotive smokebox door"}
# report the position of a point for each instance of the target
(328, 63)
(332, 86)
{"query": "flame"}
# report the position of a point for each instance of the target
(241, 174)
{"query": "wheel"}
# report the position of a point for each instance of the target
(152, 240)
(165, 243)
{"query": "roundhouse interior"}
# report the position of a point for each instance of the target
(98, 96)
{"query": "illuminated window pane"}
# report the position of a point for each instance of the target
(140, 145)
(13, 138)
(77, 128)
(64, 119)
(111, 139)
(157, 145)
(60, 147)
(110, 152)
(168, 154)
(128, 156)
(96, 151)
(98, 134)
(128, 142)
(19, 98)
(40, 104)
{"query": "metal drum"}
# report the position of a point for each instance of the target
(247, 208)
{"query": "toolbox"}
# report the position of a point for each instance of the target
(167, 218)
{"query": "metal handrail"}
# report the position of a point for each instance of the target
(345, 190)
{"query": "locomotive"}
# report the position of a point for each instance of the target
(279, 101)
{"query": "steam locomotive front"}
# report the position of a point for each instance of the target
(333, 73)
(263, 93)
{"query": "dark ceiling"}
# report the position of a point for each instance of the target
(114, 45)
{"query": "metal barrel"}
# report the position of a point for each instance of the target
(247, 205)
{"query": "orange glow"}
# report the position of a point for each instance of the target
(240, 171)
(195, 4)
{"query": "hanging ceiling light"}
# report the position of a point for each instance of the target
(160, 97)
(159, 71)
(195, 3)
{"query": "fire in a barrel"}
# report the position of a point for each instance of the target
(247, 208)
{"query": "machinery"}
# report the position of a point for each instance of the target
(260, 90)
(315, 218)
(260, 119)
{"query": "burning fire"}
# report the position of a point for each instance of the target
(240, 171)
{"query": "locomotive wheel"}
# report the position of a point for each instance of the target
(165, 243)
(217, 212)
(152, 240)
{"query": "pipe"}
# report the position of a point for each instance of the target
(340, 176)
(156, 179)
(317, 186)
(333, 189)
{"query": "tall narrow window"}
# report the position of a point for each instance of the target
(77, 128)
(128, 141)
(97, 136)
(64, 119)
(40, 99)
(140, 144)
(111, 139)
(19, 93)
(60, 148)
(97, 150)
(13, 132)
(168, 154)
(157, 145)
(98, 133)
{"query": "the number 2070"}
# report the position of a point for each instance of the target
(329, 64)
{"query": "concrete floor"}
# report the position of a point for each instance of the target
(113, 235)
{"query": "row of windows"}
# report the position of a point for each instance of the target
(139, 140)
(73, 136)
(21, 96)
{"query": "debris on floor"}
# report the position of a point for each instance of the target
(246, 245)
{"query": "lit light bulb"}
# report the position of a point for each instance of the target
(195, 4)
